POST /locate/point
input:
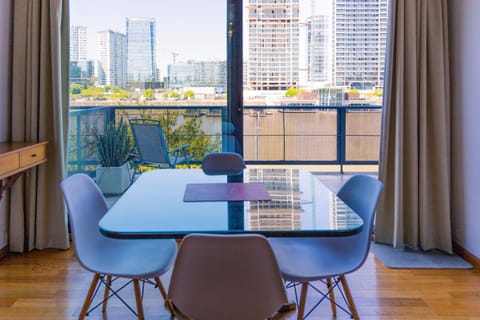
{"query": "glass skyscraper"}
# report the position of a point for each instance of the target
(141, 51)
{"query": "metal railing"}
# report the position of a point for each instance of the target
(312, 135)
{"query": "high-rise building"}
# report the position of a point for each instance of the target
(273, 44)
(319, 49)
(141, 52)
(78, 43)
(81, 71)
(360, 33)
(111, 64)
(195, 73)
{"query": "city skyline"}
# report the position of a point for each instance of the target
(107, 15)
(112, 14)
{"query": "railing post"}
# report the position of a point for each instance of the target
(341, 135)
(79, 143)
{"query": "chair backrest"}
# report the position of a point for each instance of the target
(223, 163)
(361, 193)
(86, 206)
(150, 141)
(226, 277)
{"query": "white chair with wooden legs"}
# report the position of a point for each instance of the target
(234, 277)
(136, 260)
(329, 259)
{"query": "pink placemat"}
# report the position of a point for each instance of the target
(234, 191)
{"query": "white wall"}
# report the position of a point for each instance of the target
(464, 36)
(5, 6)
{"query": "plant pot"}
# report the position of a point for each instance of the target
(114, 180)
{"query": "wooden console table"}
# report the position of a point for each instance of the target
(16, 158)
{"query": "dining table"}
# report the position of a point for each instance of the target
(274, 202)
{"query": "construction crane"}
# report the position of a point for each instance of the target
(174, 56)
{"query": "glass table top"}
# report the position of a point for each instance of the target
(301, 205)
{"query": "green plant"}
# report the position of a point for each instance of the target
(113, 145)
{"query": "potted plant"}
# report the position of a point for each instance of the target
(113, 146)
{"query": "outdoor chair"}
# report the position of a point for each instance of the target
(233, 277)
(329, 259)
(151, 146)
(136, 260)
(223, 163)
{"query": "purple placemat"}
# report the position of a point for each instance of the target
(234, 191)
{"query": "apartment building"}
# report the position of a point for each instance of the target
(111, 64)
(359, 37)
(273, 44)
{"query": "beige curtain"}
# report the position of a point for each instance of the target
(415, 148)
(39, 112)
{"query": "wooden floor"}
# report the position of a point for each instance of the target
(51, 285)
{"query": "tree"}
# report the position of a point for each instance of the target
(189, 94)
(120, 95)
(174, 94)
(76, 88)
(96, 93)
(149, 94)
(292, 92)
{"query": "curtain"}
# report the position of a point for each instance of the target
(414, 210)
(39, 112)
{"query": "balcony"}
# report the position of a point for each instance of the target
(274, 135)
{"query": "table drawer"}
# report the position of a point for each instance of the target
(8, 163)
(32, 155)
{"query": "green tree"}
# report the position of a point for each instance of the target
(189, 94)
(89, 82)
(96, 93)
(76, 88)
(149, 94)
(120, 95)
(174, 94)
(292, 92)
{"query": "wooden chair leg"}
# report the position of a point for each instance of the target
(303, 300)
(349, 297)
(89, 296)
(332, 297)
(106, 293)
(164, 295)
(138, 299)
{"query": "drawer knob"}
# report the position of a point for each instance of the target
(34, 155)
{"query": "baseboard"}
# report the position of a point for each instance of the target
(3, 252)
(466, 255)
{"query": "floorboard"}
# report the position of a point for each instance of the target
(50, 284)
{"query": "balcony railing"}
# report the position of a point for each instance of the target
(313, 135)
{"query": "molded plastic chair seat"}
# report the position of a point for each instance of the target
(107, 257)
(304, 260)
(232, 277)
(223, 163)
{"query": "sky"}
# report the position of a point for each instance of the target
(192, 28)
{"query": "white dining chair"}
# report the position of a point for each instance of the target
(328, 259)
(223, 163)
(234, 277)
(108, 258)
